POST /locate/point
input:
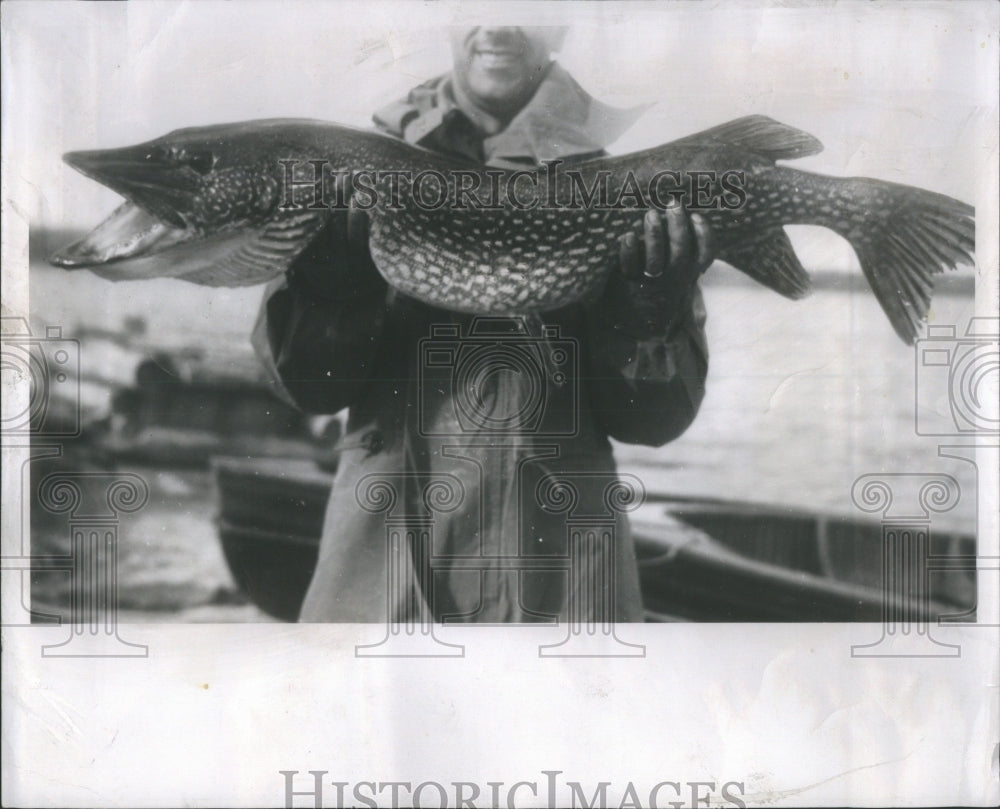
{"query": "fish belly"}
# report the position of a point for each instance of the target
(498, 262)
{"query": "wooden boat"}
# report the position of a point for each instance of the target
(186, 406)
(177, 404)
(700, 559)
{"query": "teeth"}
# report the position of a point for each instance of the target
(496, 58)
(127, 232)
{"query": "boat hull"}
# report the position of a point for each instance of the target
(699, 559)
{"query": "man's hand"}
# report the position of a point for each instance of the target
(657, 273)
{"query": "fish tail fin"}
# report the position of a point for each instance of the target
(903, 236)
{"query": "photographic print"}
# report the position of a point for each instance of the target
(500, 404)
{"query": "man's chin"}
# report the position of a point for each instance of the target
(498, 91)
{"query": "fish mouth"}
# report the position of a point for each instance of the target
(130, 232)
(148, 222)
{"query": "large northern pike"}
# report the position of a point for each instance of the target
(211, 205)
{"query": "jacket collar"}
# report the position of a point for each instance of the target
(561, 120)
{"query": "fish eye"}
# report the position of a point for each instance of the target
(200, 161)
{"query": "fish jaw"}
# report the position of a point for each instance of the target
(132, 245)
(158, 193)
(127, 234)
(146, 175)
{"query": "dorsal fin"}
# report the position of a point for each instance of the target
(762, 135)
(771, 260)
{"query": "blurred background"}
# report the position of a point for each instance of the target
(803, 397)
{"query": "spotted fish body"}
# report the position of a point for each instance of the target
(210, 205)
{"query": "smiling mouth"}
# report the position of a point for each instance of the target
(497, 57)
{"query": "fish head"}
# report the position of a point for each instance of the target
(200, 178)
(185, 193)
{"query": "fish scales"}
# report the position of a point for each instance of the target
(213, 206)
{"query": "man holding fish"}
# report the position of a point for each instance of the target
(477, 447)
(634, 361)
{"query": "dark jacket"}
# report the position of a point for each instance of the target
(500, 419)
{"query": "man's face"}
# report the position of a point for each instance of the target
(499, 69)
